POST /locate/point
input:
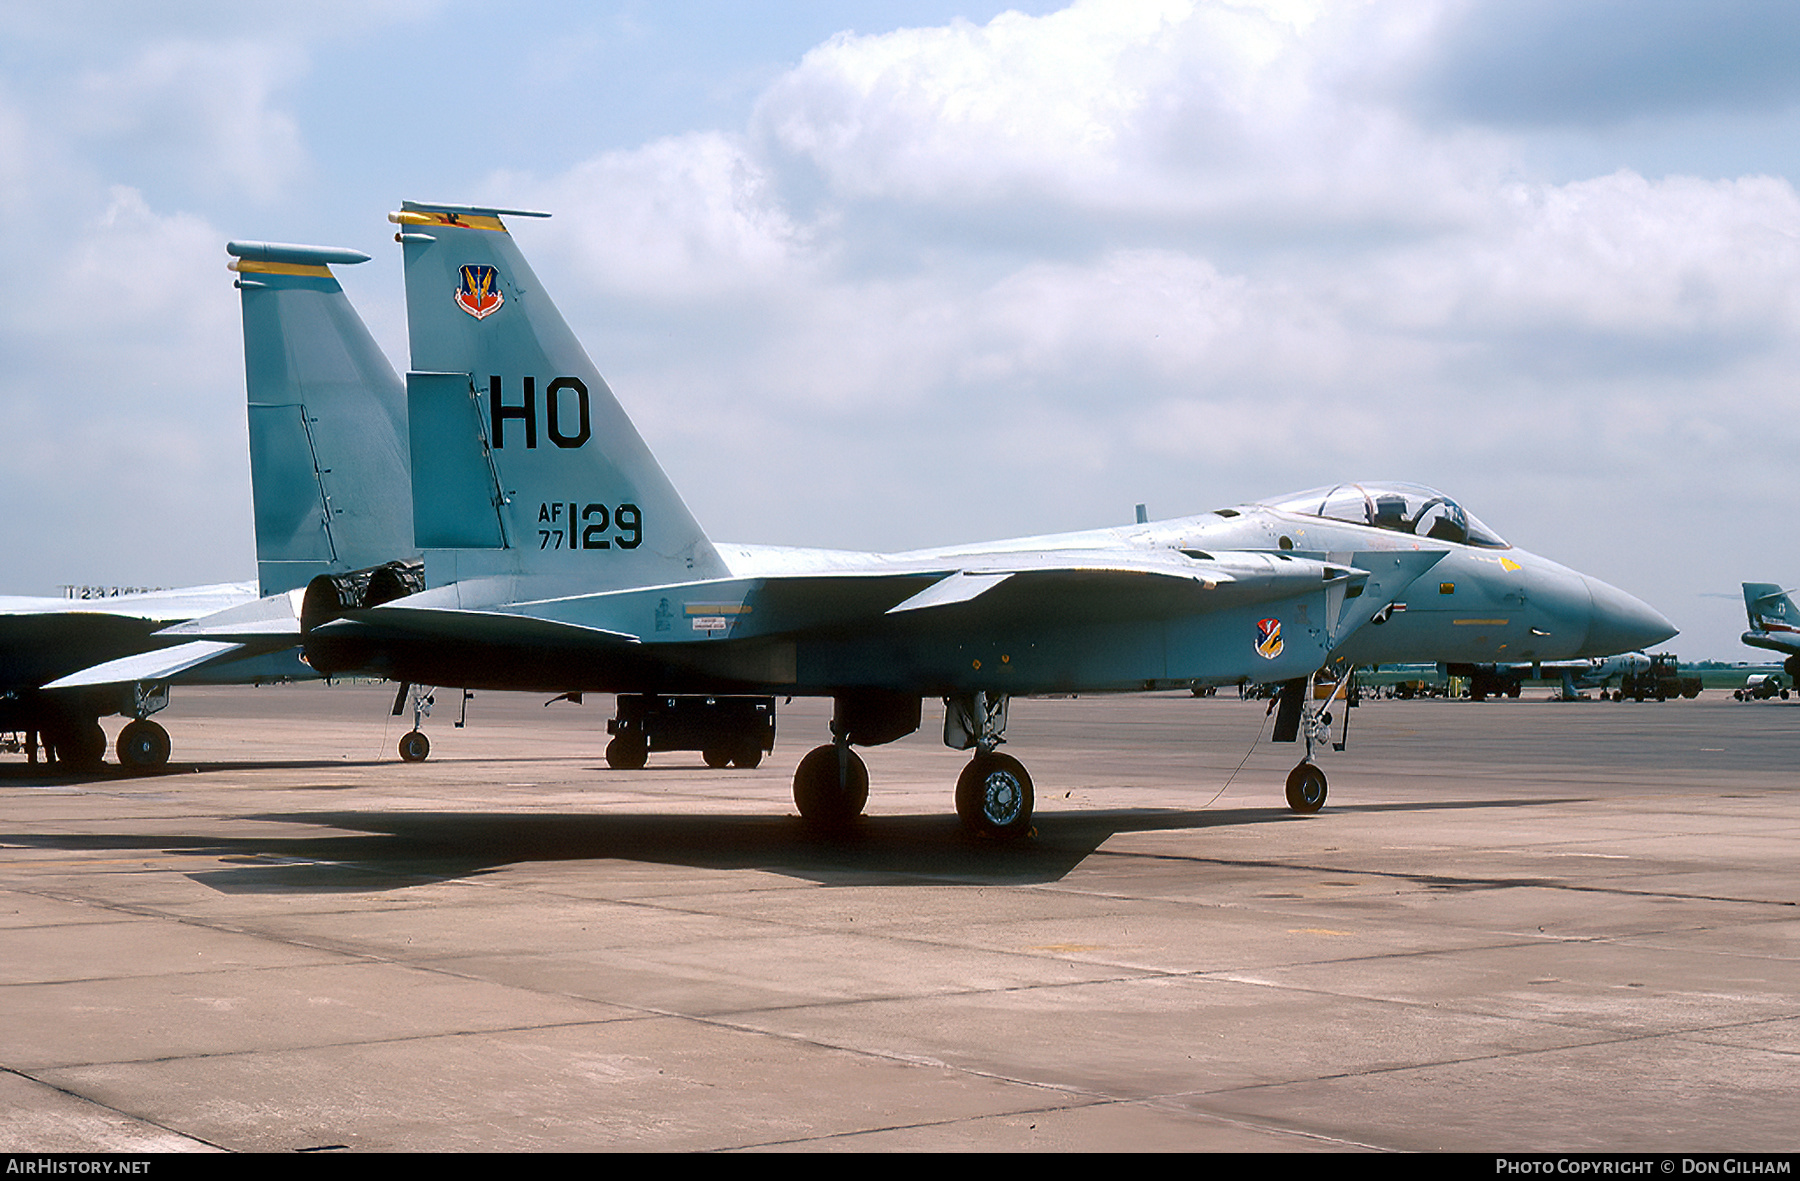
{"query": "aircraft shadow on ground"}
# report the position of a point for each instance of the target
(378, 851)
(45, 775)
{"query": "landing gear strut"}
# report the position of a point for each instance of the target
(831, 785)
(414, 746)
(1301, 716)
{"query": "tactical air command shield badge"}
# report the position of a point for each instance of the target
(478, 291)
(1268, 638)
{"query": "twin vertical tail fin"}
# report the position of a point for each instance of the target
(523, 461)
(328, 451)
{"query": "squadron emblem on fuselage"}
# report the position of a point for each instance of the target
(1268, 638)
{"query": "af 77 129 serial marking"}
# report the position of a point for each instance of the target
(586, 528)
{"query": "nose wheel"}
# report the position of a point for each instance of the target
(414, 747)
(1306, 789)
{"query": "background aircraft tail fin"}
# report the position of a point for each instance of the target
(1770, 608)
(327, 420)
(524, 462)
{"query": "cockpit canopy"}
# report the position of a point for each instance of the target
(1398, 507)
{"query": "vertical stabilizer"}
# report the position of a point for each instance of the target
(328, 458)
(1771, 610)
(524, 462)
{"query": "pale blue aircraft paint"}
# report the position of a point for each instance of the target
(328, 449)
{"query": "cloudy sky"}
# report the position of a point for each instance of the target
(883, 275)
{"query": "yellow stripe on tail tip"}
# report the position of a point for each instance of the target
(467, 221)
(257, 266)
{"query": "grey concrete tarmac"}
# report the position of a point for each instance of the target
(1515, 926)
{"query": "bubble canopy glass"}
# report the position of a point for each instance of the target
(1397, 507)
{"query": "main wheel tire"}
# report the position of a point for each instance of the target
(716, 757)
(749, 756)
(414, 747)
(1306, 789)
(627, 752)
(830, 794)
(143, 744)
(81, 745)
(994, 797)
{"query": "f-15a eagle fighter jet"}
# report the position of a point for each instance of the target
(558, 558)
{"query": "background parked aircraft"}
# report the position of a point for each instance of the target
(1774, 622)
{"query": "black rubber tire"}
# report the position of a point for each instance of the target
(994, 797)
(824, 798)
(627, 752)
(144, 745)
(716, 757)
(414, 747)
(749, 756)
(1306, 789)
(80, 745)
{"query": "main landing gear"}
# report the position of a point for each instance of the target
(78, 743)
(994, 796)
(144, 745)
(831, 785)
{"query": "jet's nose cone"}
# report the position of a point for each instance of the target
(1621, 622)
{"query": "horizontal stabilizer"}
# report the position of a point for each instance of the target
(471, 627)
(270, 617)
(159, 665)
